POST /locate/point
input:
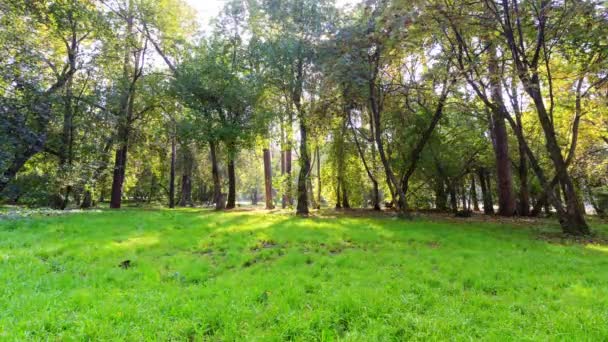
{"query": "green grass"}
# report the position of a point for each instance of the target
(200, 275)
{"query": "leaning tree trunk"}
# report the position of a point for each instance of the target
(390, 176)
(573, 222)
(268, 179)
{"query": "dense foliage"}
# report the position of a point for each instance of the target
(300, 103)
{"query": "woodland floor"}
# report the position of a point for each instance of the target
(201, 275)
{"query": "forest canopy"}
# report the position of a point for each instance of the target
(493, 106)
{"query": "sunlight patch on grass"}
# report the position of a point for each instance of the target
(599, 248)
(135, 242)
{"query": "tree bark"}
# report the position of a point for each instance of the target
(345, 203)
(390, 176)
(338, 196)
(453, 199)
(215, 172)
(302, 208)
(506, 200)
(474, 193)
(486, 192)
(120, 162)
(172, 174)
(126, 113)
(231, 203)
(318, 178)
(268, 179)
(370, 174)
(571, 219)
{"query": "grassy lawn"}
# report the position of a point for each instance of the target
(201, 275)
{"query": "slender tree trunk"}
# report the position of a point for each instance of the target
(231, 204)
(368, 170)
(318, 178)
(390, 176)
(302, 208)
(288, 195)
(338, 195)
(464, 195)
(453, 199)
(172, 174)
(215, 172)
(486, 192)
(268, 179)
(474, 193)
(127, 104)
(574, 221)
(524, 193)
(345, 203)
(283, 164)
(118, 177)
(571, 219)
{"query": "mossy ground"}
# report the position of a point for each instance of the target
(202, 275)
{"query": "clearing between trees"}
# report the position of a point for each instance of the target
(192, 274)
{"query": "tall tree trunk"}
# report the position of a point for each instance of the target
(120, 162)
(302, 208)
(288, 179)
(172, 174)
(231, 203)
(390, 176)
(66, 151)
(126, 111)
(571, 219)
(338, 195)
(283, 164)
(268, 179)
(318, 178)
(573, 222)
(215, 172)
(368, 170)
(523, 208)
(506, 200)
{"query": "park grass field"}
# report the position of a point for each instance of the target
(201, 275)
